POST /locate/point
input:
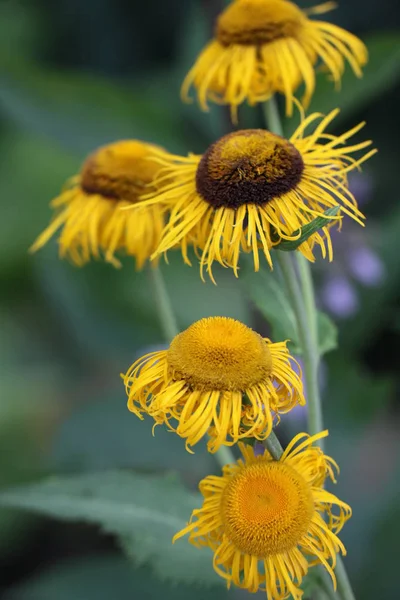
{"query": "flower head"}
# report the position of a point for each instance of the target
(267, 521)
(252, 188)
(267, 46)
(217, 377)
(88, 208)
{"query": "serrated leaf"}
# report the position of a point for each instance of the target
(103, 578)
(306, 231)
(269, 295)
(143, 511)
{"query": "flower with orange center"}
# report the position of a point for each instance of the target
(267, 46)
(88, 209)
(218, 377)
(268, 521)
(252, 189)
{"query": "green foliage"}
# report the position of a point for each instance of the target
(104, 578)
(144, 511)
(267, 291)
(117, 439)
(306, 231)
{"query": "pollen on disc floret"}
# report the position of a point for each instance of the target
(218, 378)
(254, 22)
(252, 166)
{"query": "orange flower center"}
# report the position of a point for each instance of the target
(219, 353)
(119, 171)
(252, 166)
(266, 508)
(252, 22)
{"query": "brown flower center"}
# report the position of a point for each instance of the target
(252, 166)
(252, 22)
(119, 171)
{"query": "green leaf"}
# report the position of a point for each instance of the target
(327, 333)
(144, 511)
(103, 578)
(267, 292)
(308, 230)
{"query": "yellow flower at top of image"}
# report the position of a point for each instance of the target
(252, 189)
(218, 377)
(88, 208)
(268, 521)
(267, 46)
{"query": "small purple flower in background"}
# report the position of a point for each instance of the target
(366, 266)
(258, 449)
(339, 296)
(354, 261)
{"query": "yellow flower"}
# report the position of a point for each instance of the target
(252, 188)
(268, 521)
(88, 208)
(217, 377)
(268, 46)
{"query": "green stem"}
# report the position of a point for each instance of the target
(315, 417)
(271, 116)
(310, 351)
(344, 585)
(307, 289)
(303, 304)
(164, 306)
(170, 329)
(302, 301)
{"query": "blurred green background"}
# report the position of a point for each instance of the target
(75, 75)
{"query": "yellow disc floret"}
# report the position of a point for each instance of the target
(218, 378)
(267, 521)
(250, 22)
(219, 354)
(266, 508)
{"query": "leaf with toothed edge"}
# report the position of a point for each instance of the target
(143, 511)
(308, 230)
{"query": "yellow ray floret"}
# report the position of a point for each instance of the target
(252, 188)
(268, 521)
(88, 209)
(267, 46)
(218, 377)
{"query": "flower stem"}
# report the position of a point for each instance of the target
(164, 306)
(303, 304)
(170, 329)
(344, 585)
(315, 417)
(310, 350)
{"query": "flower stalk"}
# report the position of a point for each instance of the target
(303, 303)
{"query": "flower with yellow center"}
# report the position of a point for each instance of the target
(252, 188)
(218, 377)
(88, 209)
(267, 46)
(268, 521)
